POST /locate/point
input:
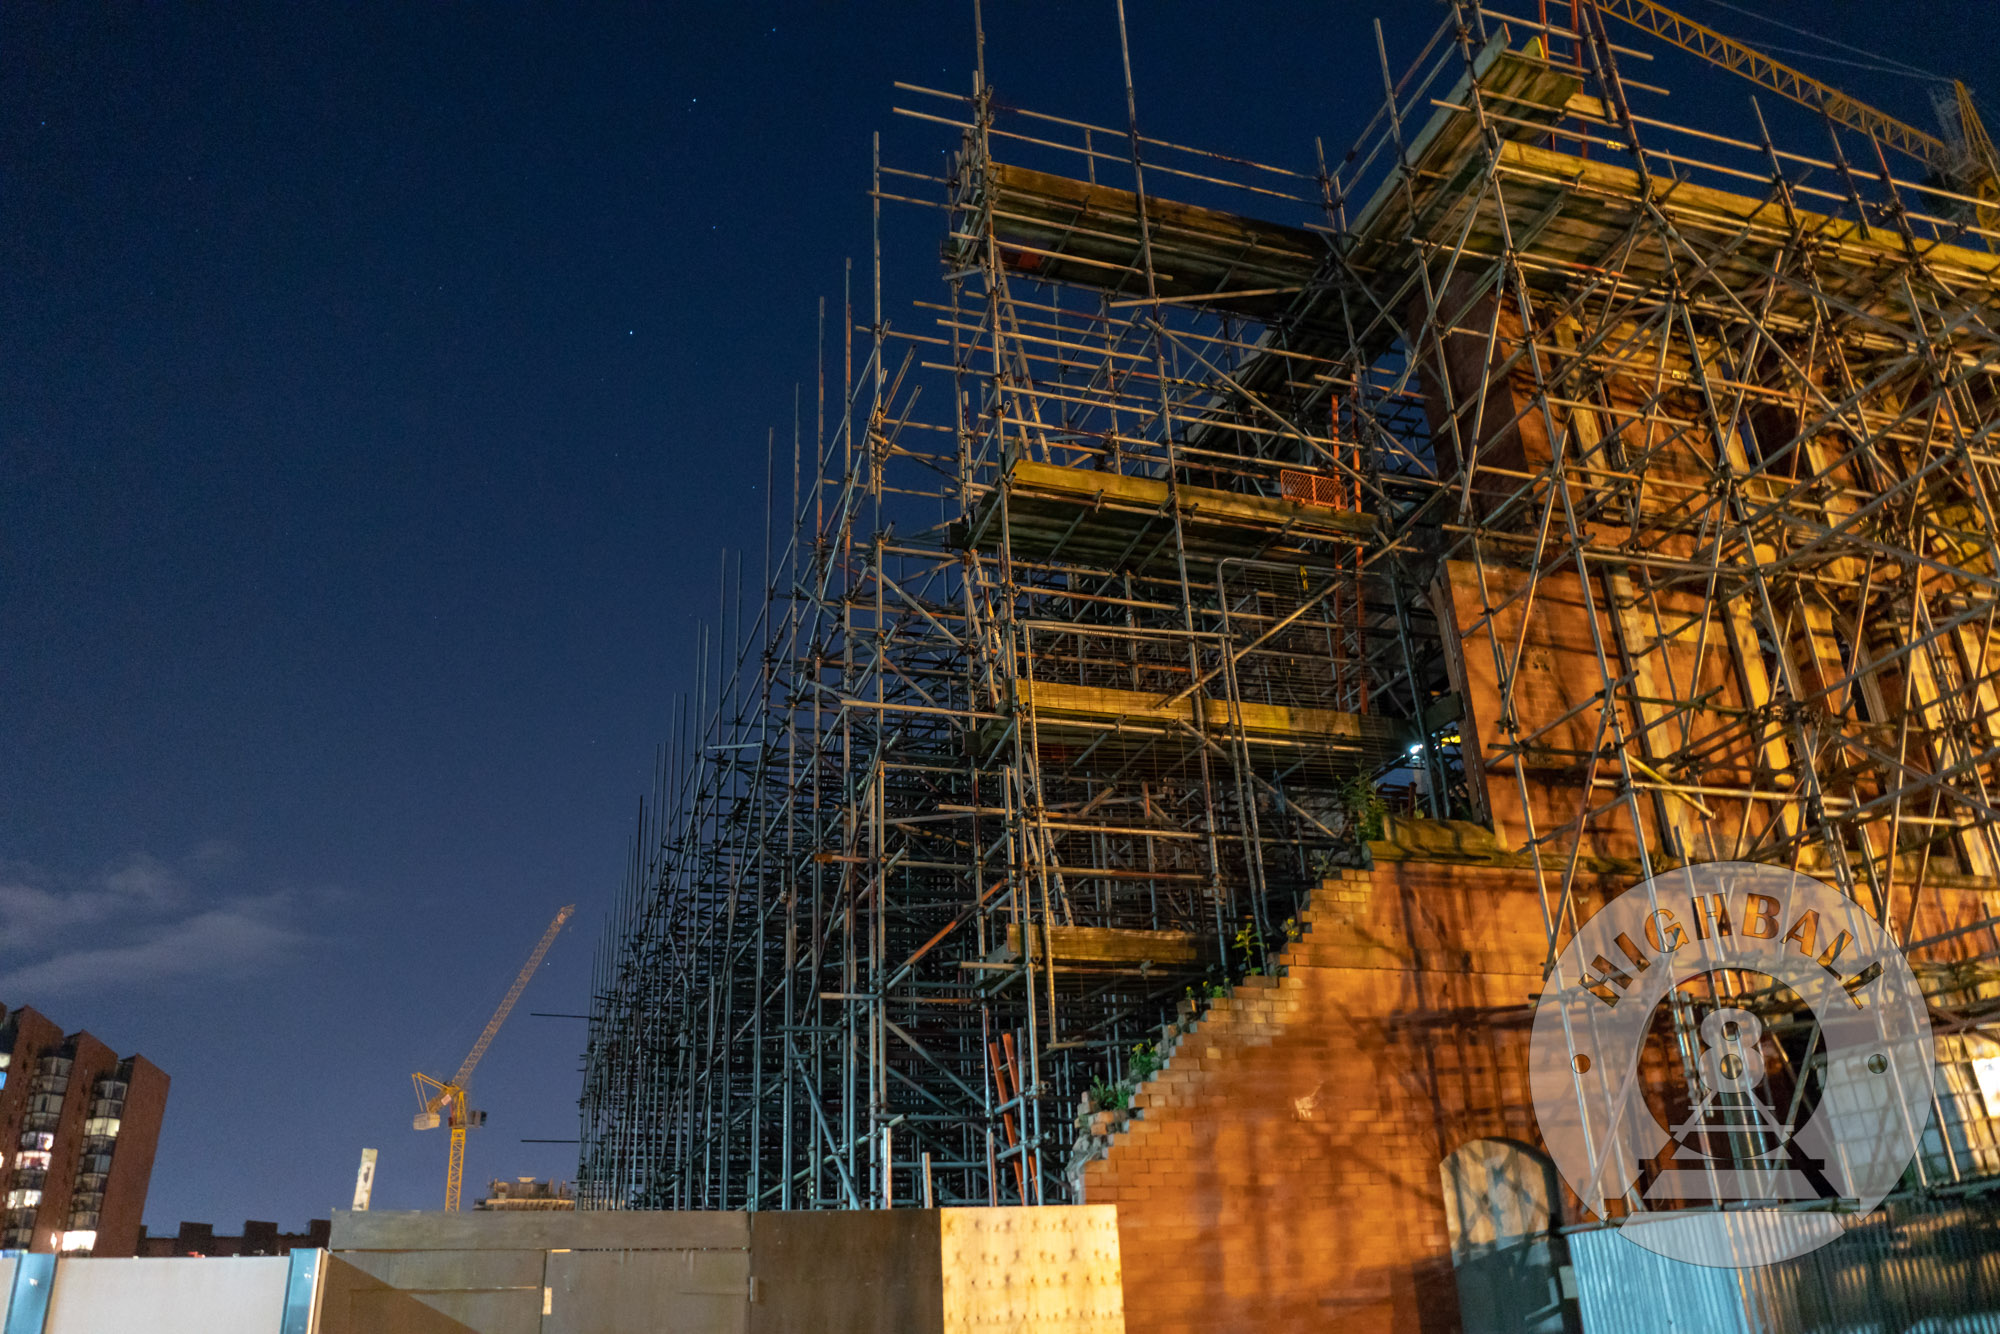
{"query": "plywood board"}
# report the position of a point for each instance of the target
(1051, 699)
(1032, 1269)
(1102, 944)
(1150, 493)
(1059, 229)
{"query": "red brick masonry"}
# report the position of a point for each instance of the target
(1281, 1171)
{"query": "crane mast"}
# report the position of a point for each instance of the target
(444, 1100)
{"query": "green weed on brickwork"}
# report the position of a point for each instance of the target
(1108, 1095)
(1366, 811)
(1145, 1061)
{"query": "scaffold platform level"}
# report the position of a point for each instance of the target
(1567, 489)
(1119, 521)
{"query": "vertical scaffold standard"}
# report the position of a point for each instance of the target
(1606, 494)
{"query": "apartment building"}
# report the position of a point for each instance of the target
(78, 1129)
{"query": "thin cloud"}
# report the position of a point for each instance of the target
(223, 942)
(215, 854)
(145, 879)
(140, 922)
(34, 916)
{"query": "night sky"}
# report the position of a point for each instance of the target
(379, 386)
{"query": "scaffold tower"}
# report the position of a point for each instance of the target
(1603, 493)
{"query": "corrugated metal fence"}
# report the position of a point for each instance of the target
(1911, 1267)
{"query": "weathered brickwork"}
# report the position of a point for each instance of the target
(1281, 1171)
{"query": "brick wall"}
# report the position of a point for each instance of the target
(120, 1225)
(118, 1218)
(257, 1238)
(1281, 1171)
(93, 1060)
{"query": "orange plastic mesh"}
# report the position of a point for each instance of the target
(1311, 488)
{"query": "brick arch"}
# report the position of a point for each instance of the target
(1511, 1183)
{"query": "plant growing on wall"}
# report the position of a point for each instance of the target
(1109, 1096)
(1145, 1061)
(1250, 950)
(1116, 1095)
(1366, 811)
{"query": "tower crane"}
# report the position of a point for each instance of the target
(443, 1100)
(1968, 164)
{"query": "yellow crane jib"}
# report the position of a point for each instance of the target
(1779, 77)
(442, 1102)
(1970, 165)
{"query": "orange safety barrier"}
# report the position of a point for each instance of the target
(1310, 488)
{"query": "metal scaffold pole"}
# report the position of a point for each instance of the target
(1610, 493)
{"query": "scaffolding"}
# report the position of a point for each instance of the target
(1621, 487)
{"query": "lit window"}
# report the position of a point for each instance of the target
(23, 1199)
(38, 1140)
(1986, 1070)
(29, 1158)
(107, 1126)
(1963, 1136)
(81, 1240)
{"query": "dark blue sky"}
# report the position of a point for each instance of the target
(378, 386)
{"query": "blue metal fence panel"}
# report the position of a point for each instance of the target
(301, 1291)
(28, 1307)
(1913, 1265)
(1623, 1288)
